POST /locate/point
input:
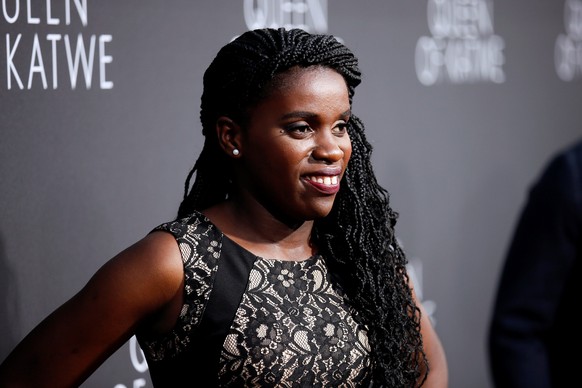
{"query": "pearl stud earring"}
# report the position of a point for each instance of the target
(235, 152)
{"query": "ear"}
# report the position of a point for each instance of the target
(228, 133)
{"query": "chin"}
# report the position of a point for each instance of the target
(321, 209)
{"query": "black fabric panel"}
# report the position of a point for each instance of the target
(198, 367)
(230, 284)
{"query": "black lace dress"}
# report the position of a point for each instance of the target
(255, 322)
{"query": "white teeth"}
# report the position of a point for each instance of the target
(326, 180)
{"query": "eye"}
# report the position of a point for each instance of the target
(340, 128)
(298, 130)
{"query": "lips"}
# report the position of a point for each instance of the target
(327, 184)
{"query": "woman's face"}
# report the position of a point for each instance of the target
(295, 146)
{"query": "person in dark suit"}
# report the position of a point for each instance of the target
(533, 334)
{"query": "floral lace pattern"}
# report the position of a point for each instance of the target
(200, 246)
(293, 328)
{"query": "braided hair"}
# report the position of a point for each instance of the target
(357, 238)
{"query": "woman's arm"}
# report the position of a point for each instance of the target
(142, 282)
(438, 375)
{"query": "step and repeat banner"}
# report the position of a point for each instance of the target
(464, 101)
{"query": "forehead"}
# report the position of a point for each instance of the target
(311, 83)
(319, 91)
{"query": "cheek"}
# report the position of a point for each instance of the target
(291, 153)
(283, 159)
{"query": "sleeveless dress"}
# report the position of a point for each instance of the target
(248, 321)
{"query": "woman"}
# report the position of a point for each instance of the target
(281, 269)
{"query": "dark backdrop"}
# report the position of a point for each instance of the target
(463, 103)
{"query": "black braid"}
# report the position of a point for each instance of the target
(357, 237)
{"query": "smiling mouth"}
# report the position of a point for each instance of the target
(325, 184)
(324, 180)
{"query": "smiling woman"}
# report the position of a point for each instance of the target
(281, 267)
(293, 144)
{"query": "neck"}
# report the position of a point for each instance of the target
(261, 232)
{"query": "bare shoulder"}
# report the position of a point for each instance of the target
(151, 270)
(155, 254)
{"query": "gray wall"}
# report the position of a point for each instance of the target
(458, 138)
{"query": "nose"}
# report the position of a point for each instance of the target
(328, 147)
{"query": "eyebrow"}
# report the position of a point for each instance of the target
(308, 115)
